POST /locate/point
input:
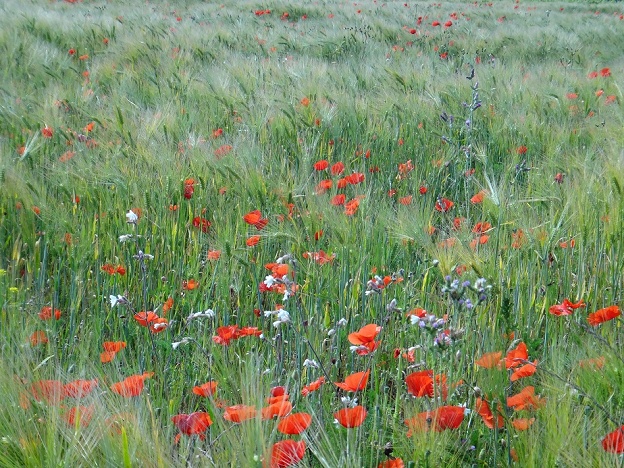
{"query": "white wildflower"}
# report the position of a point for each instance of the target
(125, 237)
(284, 258)
(114, 300)
(311, 363)
(282, 317)
(131, 217)
(347, 401)
(342, 322)
(159, 326)
(331, 332)
(208, 313)
(269, 281)
(184, 340)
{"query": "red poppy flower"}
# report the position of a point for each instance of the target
(189, 285)
(525, 399)
(405, 200)
(145, 318)
(338, 200)
(278, 391)
(421, 384)
(522, 424)
(321, 165)
(324, 185)
(222, 151)
(277, 409)
(435, 23)
(213, 255)
(603, 315)
(605, 72)
(592, 75)
(255, 219)
(131, 386)
(201, 223)
(114, 346)
(366, 348)
(47, 313)
(351, 417)
(566, 307)
(366, 334)
(354, 382)
(287, 453)
(448, 417)
(443, 205)
(206, 390)
(392, 463)
(352, 206)
(613, 442)
(479, 241)
(107, 356)
(158, 325)
(51, 391)
(355, 178)
(516, 356)
(489, 360)
(79, 388)
(483, 408)
(225, 334)
(320, 257)
(305, 102)
(337, 168)
(248, 331)
(312, 386)
(296, 423)
(481, 227)
(438, 420)
(524, 371)
(239, 413)
(251, 241)
(194, 423)
(38, 337)
(47, 132)
(167, 305)
(417, 312)
(79, 414)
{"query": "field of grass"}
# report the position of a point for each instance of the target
(422, 202)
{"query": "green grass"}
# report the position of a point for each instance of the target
(157, 80)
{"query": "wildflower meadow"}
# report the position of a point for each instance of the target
(316, 234)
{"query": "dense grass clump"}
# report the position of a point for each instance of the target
(325, 234)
